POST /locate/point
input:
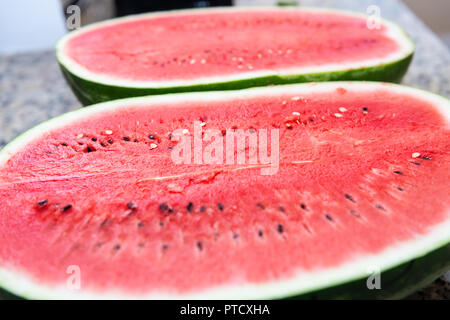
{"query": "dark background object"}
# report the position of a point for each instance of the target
(126, 7)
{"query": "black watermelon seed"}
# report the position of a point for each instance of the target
(190, 206)
(102, 144)
(165, 247)
(260, 205)
(132, 206)
(94, 139)
(126, 138)
(110, 141)
(164, 207)
(66, 208)
(220, 206)
(141, 224)
(349, 197)
(202, 209)
(260, 233)
(80, 143)
(90, 149)
(170, 148)
(235, 236)
(380, 207)
(151, 137)
(426, 158)
(416, 163)
(329, 218)
(399, 188)
(136, 140)
(280, 228)
(42, 203)
(117, 247)
(199, 245)
(99, 244)
(64, 144)
(281, 209)
(398, 172)
(104, 223)
(303, 206)
(365, 109)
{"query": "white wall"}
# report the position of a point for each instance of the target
(30, 25)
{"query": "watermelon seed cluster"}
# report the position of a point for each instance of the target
(164, 207)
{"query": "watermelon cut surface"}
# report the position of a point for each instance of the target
(362, 183)
(229, 48)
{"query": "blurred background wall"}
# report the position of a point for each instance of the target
(435, 13)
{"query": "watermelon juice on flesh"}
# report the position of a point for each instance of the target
(229, 48)
(361, 182)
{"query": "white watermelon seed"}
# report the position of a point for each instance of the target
(415, 155)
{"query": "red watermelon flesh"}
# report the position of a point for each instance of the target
(218, 43)
(363, 170)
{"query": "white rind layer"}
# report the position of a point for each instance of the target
(21, 283)
(393, 31)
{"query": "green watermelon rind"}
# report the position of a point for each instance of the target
(90, 90)
(396, 283)
(407, 267)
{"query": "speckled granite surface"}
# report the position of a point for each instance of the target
(32, 88)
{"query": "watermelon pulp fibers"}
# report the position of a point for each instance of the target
(228, 49)
(363, 181)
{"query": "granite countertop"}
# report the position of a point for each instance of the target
(32, 88)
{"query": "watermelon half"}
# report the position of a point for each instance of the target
(229, 48)
(361, 184)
